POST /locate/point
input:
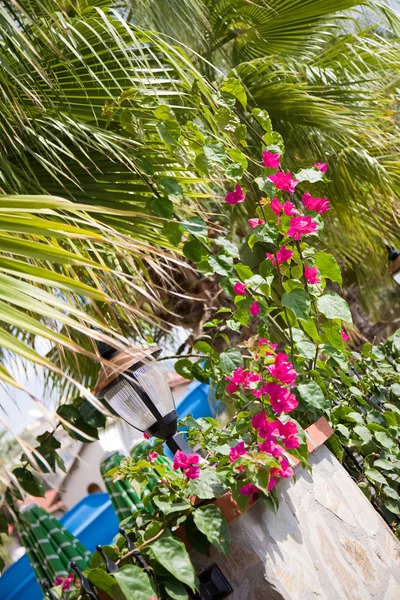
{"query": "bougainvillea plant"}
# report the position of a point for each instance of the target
(264, 383)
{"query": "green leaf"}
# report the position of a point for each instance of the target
(171, 186)
(238, 156)
(384, 439)
(334, 307)
(172, 555)
(208, 485)
(166, 506)
(29, 482)
(196, 226)
(202, 346)
(312, 394)
(374, 475)
(2, 564)
(312, 175)
(336, 355)
(332, 335)
(230, 360)
(48, 441)
(261, 479)
(393, 506)
(364, 433)
(267, 233)
(265, 185)
(232, 86)
(183, 367)
(328, 266)
(175, 590)
(343, 430)
(389, 491)
(103, 581)
(172, 232)
(135, 583)
(234, 171)
(210, 520)
(243, 271)
(311, 329)
(215, 156)
(382, 463)
(91, 415)
(161, 207)
(169, 132)
(263, 118)
(194, 250)
(299, 302)
(306, 350)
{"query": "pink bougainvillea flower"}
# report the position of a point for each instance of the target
(270, 447)
(152, 456)
(192, 472)
(231, 388)
(271, 484)
(285, 470)
(319, 205)
(344, 335)
(282, 369)
(301, 226)
(259, 420)
(249, 490)
(180, 460)
(238, 376)
(188, 463)
(282, 400)
(65, 581)
(289, 433)
(255, 222)
(271, 160)
(240, 288)
(236, 197)
(254, 309)
(282, 256)
(323, 167)
(287, 207)
(276, 206)
(237, 451)
(310, 273)
(284, 181)
(269, 430)
(146, 436)
(245, 379)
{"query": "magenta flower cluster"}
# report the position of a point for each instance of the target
(189, 464)
(66, 582)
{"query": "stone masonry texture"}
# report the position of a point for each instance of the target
(326, 542)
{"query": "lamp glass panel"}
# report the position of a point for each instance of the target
(396, 277)
(128, 404)
(151, 379)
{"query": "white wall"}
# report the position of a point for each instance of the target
(86, 470)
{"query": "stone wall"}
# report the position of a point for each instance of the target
(325, 542)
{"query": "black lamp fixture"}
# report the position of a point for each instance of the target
(134, 385)
(394, 257)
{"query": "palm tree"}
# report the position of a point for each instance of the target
(95, 109)
(92, 169)
(329, 81)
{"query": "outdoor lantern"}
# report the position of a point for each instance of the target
(134, 386)
(394, 257)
